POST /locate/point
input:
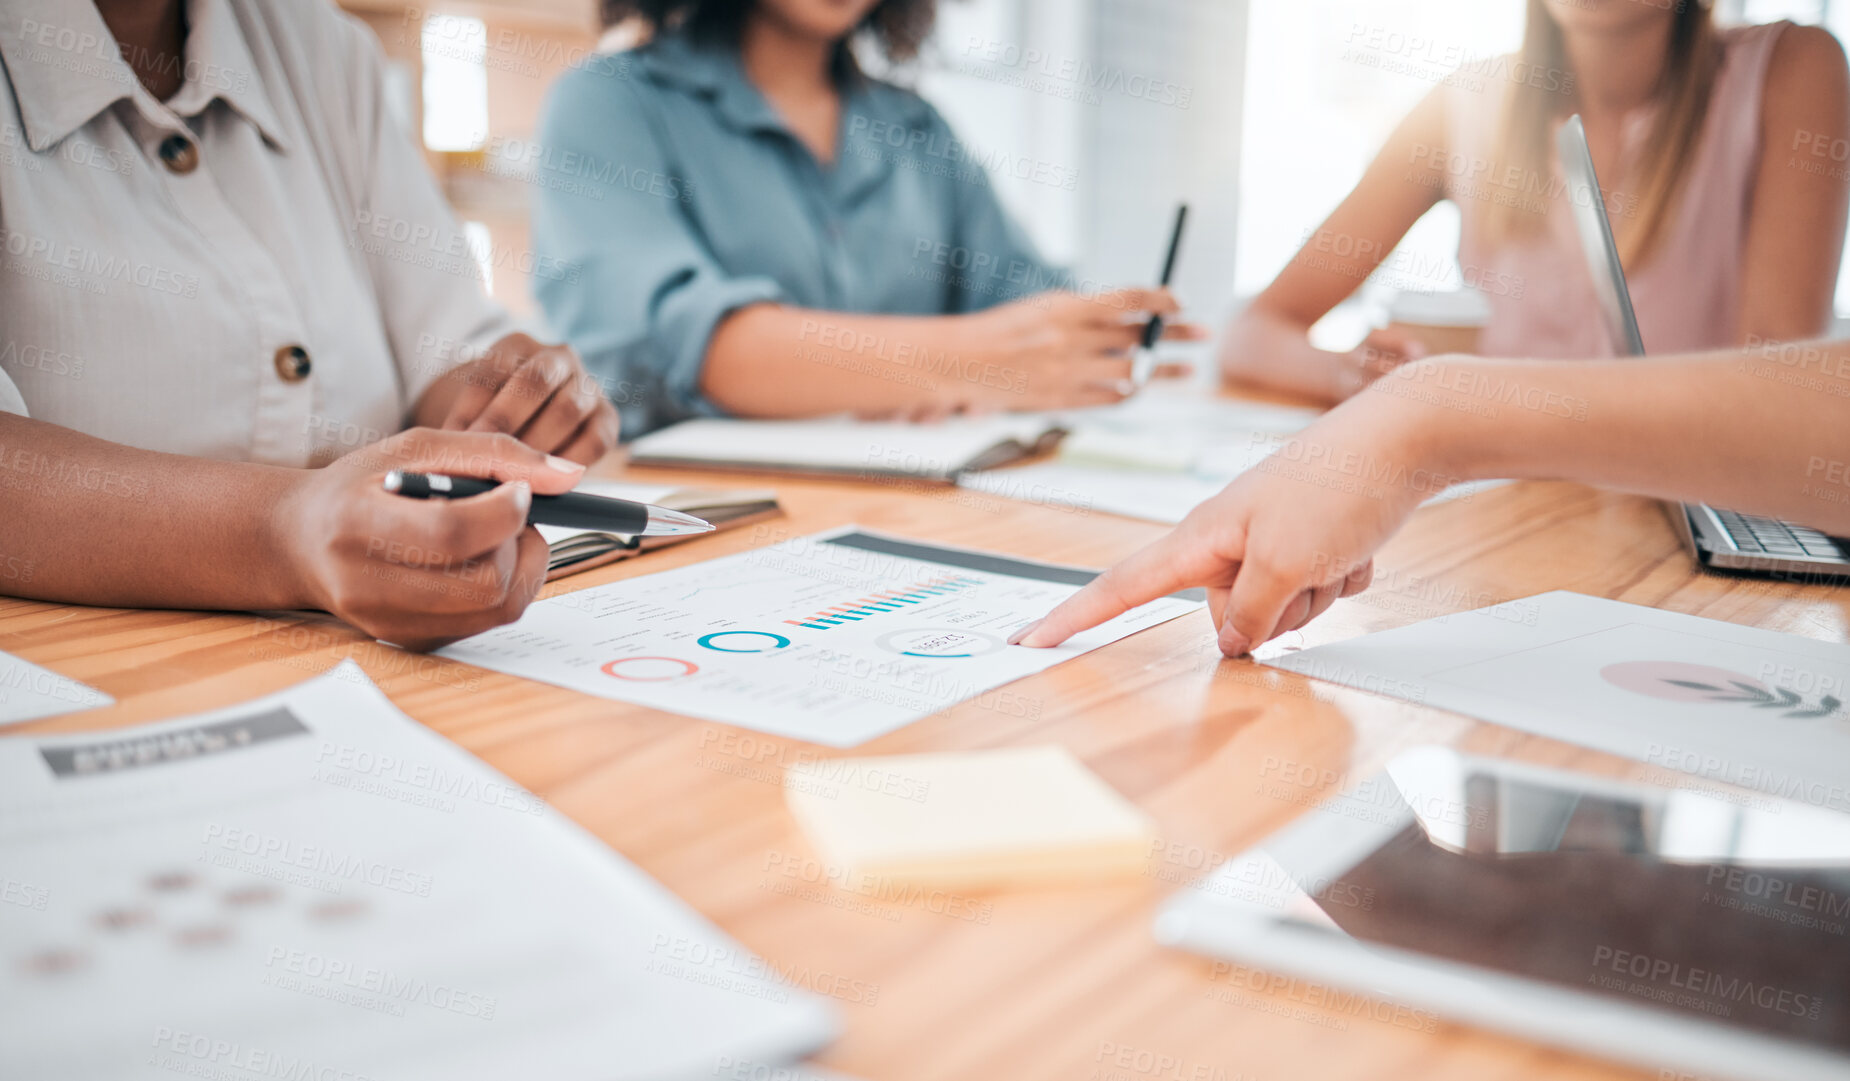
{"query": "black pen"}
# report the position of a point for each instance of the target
(574, 510)
(1145, 364)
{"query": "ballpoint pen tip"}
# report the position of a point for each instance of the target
(673, 523)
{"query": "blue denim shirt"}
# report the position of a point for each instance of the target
(668, 193)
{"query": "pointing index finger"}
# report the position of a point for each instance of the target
(1149, 573)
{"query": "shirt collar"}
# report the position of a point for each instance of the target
(711, 71)
(65, 68)
(63, 65)
(219, 65)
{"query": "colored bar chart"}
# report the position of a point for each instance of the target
(892, 600)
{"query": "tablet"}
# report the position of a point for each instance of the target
(1702, 930)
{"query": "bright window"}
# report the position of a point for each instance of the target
(1326, 82)
(482, 249)
(971, 71)
(455, 83)
(1835, 16)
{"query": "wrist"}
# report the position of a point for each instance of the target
(1426, 422)
(963, 363)
(281, 544)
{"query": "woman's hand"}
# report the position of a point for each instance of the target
(415, 572)
(1384, 350)
(540, 393)
(1284, 540)
(1061, 350)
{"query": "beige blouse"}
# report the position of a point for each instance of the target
(260, 268)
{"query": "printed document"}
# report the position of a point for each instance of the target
(314, 885)
(834, 638)
(1749, 707)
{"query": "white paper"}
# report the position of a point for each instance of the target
(1179, 429)
(829, 638)
(31, 693)
(313, 885)
(1159, 455)
(841, 444)
(1134, 493)
(1750, 707)
(1149, 494)
(1155, 456)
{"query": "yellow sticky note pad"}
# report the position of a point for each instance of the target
(989, 818)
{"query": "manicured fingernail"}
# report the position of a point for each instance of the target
(523, 495)
(1015, 639)
(562, 465)
(1234, 644)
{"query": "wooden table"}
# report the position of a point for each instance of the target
(1054, 983)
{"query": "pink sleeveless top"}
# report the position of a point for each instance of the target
(1688, 292)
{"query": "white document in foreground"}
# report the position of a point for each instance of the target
(313, 885)
(31, 693)
(834, 638)
(1750, 707)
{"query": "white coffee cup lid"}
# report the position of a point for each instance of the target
(1458, 308)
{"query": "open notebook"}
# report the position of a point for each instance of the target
(575, 550)
(841, 445)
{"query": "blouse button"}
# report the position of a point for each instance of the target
(181, 156)
(292, 363)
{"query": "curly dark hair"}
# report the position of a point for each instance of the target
(900, 26)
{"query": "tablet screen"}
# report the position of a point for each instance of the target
(1723, 913)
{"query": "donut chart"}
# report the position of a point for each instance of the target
(648, 669)
(711, 641)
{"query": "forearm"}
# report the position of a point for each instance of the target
(1265, 348)
(1763, 431)
(87, 521)
(771, 361)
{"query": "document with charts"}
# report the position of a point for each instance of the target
(1740, 705)
(834, 638)
(312, 885)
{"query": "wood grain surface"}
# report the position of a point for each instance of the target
(1054, 983)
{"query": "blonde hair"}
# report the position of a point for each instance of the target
(1682, 100)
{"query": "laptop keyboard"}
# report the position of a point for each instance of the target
(1770, 536)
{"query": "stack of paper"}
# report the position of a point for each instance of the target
(994, 818)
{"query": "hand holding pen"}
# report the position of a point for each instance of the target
(419, 573)
(574, 510)
(1143, 365)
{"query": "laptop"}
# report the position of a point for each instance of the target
(1719, 539)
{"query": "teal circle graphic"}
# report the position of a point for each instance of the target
(706, 641)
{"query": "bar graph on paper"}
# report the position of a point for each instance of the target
(834, 638)
(889, 600)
